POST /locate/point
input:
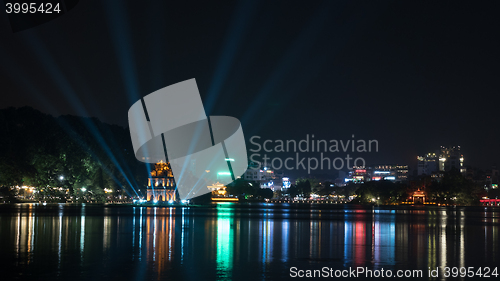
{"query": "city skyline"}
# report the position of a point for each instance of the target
(249, 140)
(333, 69)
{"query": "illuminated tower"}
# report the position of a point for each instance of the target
(161, 183)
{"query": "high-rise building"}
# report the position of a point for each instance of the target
(427, 164)
(451, 157)
(442, 160)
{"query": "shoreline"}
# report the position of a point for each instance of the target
(252, 205)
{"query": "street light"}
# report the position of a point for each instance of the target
(84, 189)
(61, 178)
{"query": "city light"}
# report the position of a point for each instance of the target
(311, 194)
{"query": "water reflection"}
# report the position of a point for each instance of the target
(228, 242)
(225, 245)
(82, 231)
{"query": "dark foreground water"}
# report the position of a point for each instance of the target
(241, 242)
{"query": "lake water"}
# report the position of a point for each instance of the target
(240, 242)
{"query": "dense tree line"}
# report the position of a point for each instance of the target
(248, 189)
(452, 189)
(455, 188)
(66, 152)
(382, 192)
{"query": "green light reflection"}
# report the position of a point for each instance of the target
(225, 244)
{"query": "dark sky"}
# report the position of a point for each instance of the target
(413, 75)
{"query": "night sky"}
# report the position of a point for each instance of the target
(413, 75)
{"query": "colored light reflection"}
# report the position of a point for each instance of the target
(284, 239)
(224, 244)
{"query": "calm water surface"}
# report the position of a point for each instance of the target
(238, 242)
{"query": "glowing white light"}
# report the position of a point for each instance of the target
(61, 177)
(84, 189)
(170, 201)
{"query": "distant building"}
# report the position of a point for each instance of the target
(427, 164)
(492, 177)
(451, 157)
(359, 175)
(390, 172)
(266, 177)
(437, 175)
(386, 172)
(286, 183)
(443, 160)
